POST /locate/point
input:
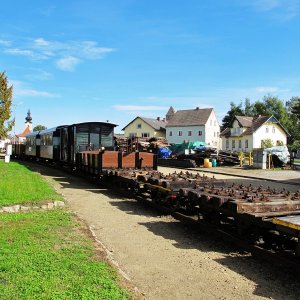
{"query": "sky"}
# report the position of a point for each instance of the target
(95, 60)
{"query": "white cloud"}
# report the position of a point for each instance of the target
(39, 75)
(67, 63)
(41, 42)
(140, 107)
(266, 5)
(20, 90)
(266, 89)
(91, 51)
(66, 55)
(16, 51)
(28, 53)
(281, 10)
(5, 43)
(34, 93)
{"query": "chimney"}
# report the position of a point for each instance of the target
(164, 119)
(158, 118)
(197, 108)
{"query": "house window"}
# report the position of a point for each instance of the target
(267, 129)
(240, 144)
(145, 134)
(170, 133)
(139, 126)
(189, 133)
(273, 129)
(199, 132)
(233, 144)
(218, 134)
(180, 133)
(246, 143)
(279, 143)
(227, 144)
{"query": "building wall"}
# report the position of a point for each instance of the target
(173, 134)
(269, 131)
(244, 143)
(210, 133)
(139, 127)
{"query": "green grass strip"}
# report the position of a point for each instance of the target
(19, 185)
(44, 255)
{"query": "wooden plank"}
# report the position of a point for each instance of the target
(261, 207)
(276, 214)
(292, 222)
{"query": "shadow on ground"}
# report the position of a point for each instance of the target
(190, 237)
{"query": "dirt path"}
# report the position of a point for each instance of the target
(165, 259)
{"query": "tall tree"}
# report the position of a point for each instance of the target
(271, 105)
(235, 110)
(39, 128)
(294, 105)
(276, 107)
(248, 108)
(293, 109)
(6, 93)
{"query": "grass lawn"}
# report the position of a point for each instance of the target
(19, 185)
(297, 160)
(46, 255)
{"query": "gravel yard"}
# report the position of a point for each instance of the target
(165, 259)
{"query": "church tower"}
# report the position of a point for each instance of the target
(28, 120)
(170, 113)
(20, 138)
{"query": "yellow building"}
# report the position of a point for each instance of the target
(146, 128)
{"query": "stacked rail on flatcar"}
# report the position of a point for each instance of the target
(262, 216)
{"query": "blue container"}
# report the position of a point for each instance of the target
(214, 163)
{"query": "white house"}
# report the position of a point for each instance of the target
(3, 143)
(193, 125)
(248, 133)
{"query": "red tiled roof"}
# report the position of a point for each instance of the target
(23, 134)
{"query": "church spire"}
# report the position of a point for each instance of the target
(28, 118)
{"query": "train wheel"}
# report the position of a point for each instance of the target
(154, 196)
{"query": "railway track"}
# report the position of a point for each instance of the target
(288, 262)
(254, 219)
(262, 221)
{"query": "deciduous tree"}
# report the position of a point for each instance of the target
(39, 128)
(235, 110)
(6, 94)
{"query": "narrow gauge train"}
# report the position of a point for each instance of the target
(261, 216)
(62, 143)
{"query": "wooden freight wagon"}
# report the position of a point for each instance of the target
(95, 162)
